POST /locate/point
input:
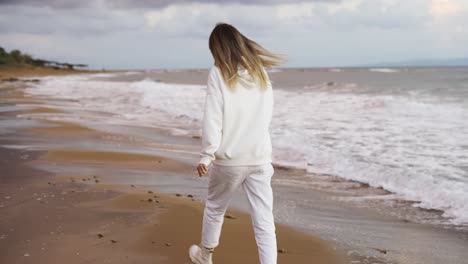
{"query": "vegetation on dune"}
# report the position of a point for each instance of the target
(18, 58)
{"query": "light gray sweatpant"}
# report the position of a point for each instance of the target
(256, 182)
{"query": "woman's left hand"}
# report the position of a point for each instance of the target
(202, 169)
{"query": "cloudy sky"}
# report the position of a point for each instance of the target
(174, 34)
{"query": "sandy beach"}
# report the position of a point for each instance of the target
(86, 217)
(28, 71)
(88, 178)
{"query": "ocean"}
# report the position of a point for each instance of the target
(400, 130)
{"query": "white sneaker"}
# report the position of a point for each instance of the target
(200, 255)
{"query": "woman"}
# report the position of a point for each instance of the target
(236, 140)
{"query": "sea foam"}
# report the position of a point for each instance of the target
(403, 145)
(383, 70)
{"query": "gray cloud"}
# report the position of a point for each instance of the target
(75, 22)
(165, 3)
(49, 3)
(151, 34)
(64, 4)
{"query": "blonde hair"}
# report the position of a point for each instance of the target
(231, 49)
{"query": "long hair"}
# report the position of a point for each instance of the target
(232, 50)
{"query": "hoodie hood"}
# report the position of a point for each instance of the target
(244, 78)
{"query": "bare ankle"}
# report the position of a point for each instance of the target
(211, 250)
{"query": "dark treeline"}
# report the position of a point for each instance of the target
(16, 57)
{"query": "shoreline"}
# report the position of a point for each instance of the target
(371, 237)
(85, 217)
(12, 72)
(367, 189)
(145, 225)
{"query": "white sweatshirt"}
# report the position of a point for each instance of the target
(236, 122)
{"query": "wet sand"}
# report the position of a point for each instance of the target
(49, 219)
(87, 218)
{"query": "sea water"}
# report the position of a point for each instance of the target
(404, 130)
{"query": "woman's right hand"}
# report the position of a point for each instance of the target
(202, 169)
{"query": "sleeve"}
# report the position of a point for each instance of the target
(212, 118)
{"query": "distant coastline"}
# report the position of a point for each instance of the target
(430, 63)
(16, 64)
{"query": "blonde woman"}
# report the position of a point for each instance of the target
(236, 140)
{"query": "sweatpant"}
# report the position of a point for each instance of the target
(256, 182)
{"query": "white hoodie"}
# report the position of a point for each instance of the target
(236, 122)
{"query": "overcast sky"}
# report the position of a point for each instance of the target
(174, 34)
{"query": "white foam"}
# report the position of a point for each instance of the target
(406, 146)
(384, 70)
(273, 70)
(411, 148)
(17, 146)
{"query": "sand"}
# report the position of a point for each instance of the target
(85, 218)
(30, 71)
